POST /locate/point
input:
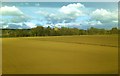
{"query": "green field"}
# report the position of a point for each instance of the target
(88, 54)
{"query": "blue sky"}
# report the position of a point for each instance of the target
(83, 15)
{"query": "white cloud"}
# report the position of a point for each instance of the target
(42, 13)
(5, 26)
(72, 9)
(68, 13)
(24, 25)
(104, 15)
(31, 25)
(18, 19)
(61, 17)
(94, 23)
(46, 25)
(59, 25)
(10, 11)
(115, 21)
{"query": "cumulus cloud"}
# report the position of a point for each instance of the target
(10, 11)
(66, 17)
(30, 25)
(18, 19)
(59, 25)
(94, 23)
(72, 25)
(104, 15)
(68, 13)
(13, 14)
(25, 25)
(71, 15)
(72, 9)
(55, 17)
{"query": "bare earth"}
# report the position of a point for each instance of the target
(61, 55)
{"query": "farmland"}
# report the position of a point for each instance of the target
(85, 54)
(0, 56)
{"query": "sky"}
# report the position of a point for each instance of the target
(82, 15)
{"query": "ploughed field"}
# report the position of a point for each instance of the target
(86, 54)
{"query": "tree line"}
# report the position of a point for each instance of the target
(42, 31)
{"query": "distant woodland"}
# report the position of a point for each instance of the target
(42, 31)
